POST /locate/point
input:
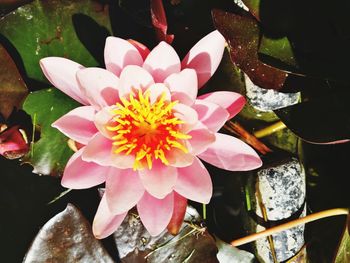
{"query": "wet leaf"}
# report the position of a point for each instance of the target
(45, 28)
(242, 34)
(50, 153)
(254, 7)
(192, 244)
(67, 237)
(229, 254)
(343, 251)
(12, 88)
(278, 53)
(320, 120)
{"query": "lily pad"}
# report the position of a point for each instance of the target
(254, 7)
(242, 35)
(67, 237)
(278, 52)
(192, 244)
(50, 153)
(12, 87)
(319, 120)
(45, 28)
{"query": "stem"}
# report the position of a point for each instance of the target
(33, 136)
(291, 224)
(270, 129)
(60, 195)
(249, 138)
(204, 210)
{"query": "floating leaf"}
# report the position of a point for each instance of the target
(45, 28)
(193, 243)
(50, 153)
(67, 237)
(242, 34)
(320, 120)
(12, 88)
(254, 7)
(278, 53)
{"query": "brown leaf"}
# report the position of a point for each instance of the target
(67, 237)
(12, 87)
(136, 245)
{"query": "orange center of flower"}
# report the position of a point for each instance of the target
(147, 131)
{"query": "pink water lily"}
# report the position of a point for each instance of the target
(144, 129)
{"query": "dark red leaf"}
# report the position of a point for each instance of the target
(242, 35)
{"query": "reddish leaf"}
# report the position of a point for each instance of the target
(242, 35)
(159, 21)
(12, 88)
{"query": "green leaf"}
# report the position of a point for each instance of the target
(278, 53)
(254, 7)
(50, 153)
(46, 28)
(12, 88)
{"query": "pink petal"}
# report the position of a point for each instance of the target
(61, 73)
(157, 91)
(162, 62)
(180, 206)
(119, 53)
(105, 223)
(231, 154)
(141, 48)
(78, 124)
(134, 78)
(233, 102)
(102, 119)
(201, 139)
(160, 180)
(183, 85)
(211, 115)
(155, 213)
(186, 114)
(79, 174)
(99, 86)
(178, 158)
(205, 56)
(99, 150)
(194, 182)
(11, 142)
(123, 189)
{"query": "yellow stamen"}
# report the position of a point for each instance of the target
(147, 131)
